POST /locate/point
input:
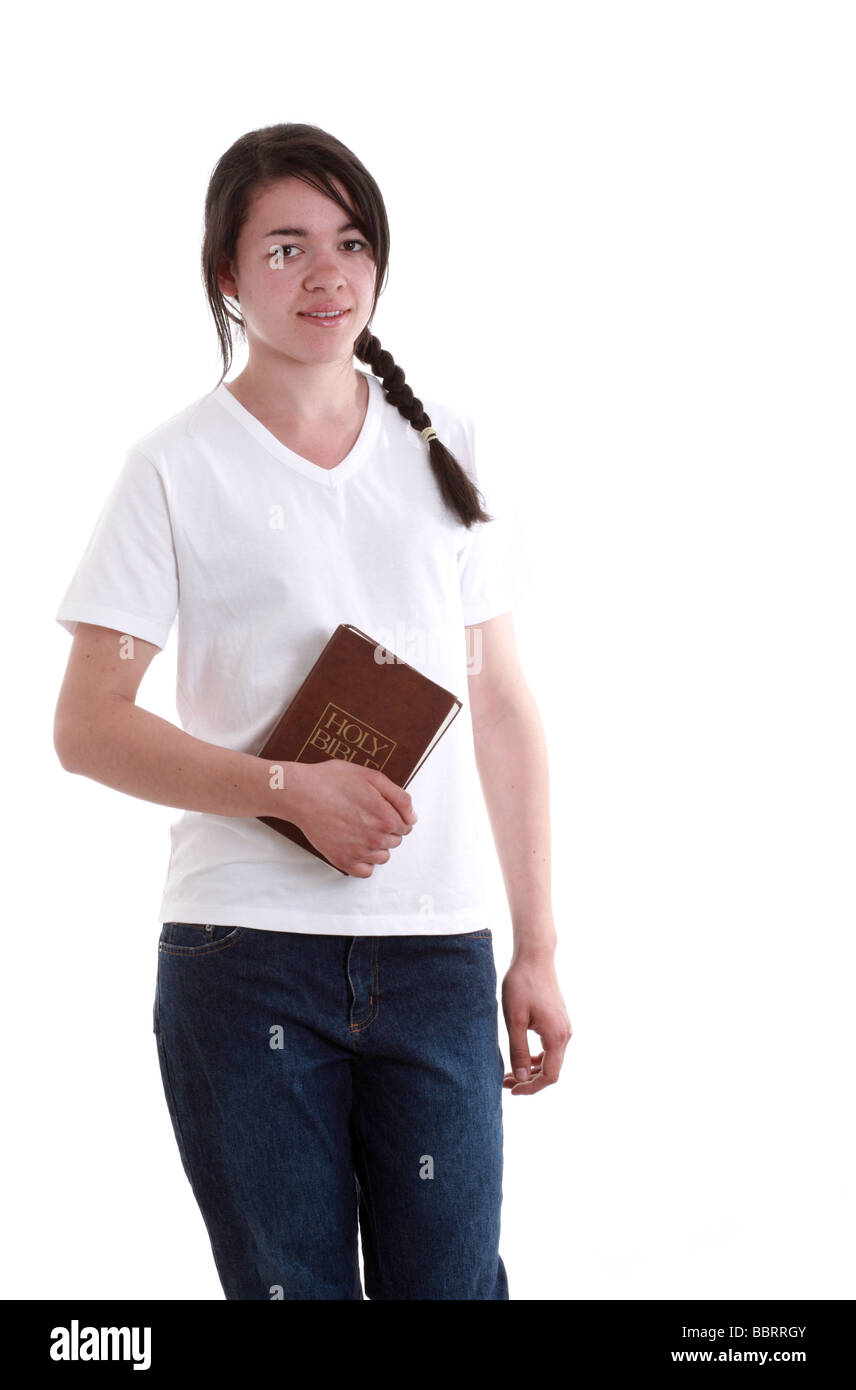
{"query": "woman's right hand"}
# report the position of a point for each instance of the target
(353, 815)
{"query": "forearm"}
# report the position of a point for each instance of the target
(136, 752)
(511, 756)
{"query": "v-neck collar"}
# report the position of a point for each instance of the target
(325, 477)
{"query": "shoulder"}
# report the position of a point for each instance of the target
(446, 412)
(454, 424)
(178, 431)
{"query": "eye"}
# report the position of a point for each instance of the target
(277, 252)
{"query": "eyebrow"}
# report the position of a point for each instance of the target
(301, 231)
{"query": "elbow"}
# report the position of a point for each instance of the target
(486, 714)
(64, 745)
(62, 753)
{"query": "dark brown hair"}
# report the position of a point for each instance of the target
(263, 157)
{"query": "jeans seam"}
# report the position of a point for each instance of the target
(207, 949)
(375, 994)
(188, 1167)
(377, 1244)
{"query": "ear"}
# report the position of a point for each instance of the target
(225, 278)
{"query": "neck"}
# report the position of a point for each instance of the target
(304, 394)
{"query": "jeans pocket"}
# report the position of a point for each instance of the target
(197, 938)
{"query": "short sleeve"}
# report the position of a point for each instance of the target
(485, 559)
(127, 577)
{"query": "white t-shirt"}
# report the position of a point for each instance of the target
(260, 554)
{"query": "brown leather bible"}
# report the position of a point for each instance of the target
(363, 704)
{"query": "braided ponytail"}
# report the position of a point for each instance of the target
(457, 489)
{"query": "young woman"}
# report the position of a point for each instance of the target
(327, 1042)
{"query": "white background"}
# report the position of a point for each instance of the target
(622, 236)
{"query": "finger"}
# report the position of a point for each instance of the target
(546, 1068)
(518, 1051)
(356, 870)
(400, 800)
(529, 1088)
(553, 1057)
(536, 1082)
(509, 1076)
(509, 1079)
(529, 1067)
(545, 1074)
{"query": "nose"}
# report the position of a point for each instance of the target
(325, 271)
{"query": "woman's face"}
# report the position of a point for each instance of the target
(294, 254)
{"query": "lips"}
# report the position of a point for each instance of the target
(338, 317)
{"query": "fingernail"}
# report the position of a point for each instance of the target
(522, 1074)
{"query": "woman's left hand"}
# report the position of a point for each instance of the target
(532, 1001)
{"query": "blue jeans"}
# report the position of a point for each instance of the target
(316, 1080)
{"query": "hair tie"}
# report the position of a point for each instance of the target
(429, 433)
